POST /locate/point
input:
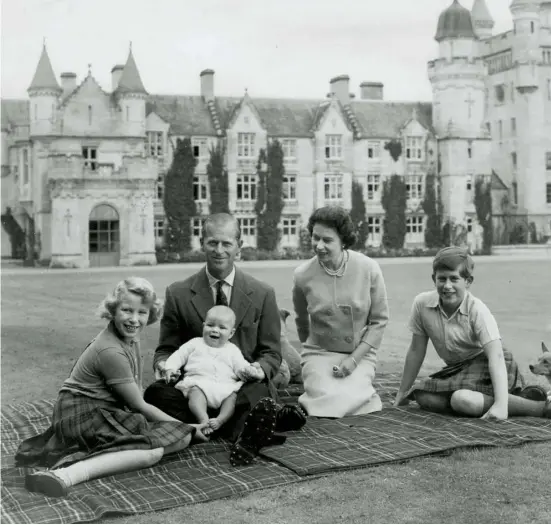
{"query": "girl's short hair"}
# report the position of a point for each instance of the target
(337, 218)
(135, 285)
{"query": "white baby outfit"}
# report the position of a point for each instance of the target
(213, 370)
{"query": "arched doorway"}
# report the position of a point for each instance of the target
(104, 236)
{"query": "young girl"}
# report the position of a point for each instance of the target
(101, 425)
(481, 379)
(214, 369)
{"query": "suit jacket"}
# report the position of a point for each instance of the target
(258, 324)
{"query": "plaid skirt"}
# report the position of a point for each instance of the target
(472, 374)
(83, 427)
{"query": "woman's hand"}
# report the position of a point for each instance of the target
(496, 412)
(400, 399)
(346, 367)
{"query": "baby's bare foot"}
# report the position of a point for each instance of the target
(214, 424)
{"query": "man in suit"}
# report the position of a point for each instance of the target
(257, 335)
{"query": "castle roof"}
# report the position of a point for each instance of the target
(130, 81)
(480, 14)
(455, 22)
(15, 112)
(44, 77)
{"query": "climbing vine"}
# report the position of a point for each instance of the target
(483, 206)
(432, 206)
(394, 201)
(218, 180)
(357, 214)
(394, 147)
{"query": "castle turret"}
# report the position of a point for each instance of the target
(457, 78)
(131, 96)
(483, 23)
(44, 93)
(526, 52)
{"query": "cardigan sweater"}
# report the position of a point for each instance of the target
(337, 313)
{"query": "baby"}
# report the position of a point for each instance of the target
(214, 369)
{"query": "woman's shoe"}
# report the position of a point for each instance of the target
(47, 483)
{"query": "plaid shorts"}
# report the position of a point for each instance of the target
(473, 374)
(83, 427)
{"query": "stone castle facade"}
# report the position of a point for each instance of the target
(83, 168)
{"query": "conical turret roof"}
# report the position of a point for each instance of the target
(44, 77)
(131, 81)
(455, 22)
(480, 14)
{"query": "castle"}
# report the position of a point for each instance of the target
(83, 168)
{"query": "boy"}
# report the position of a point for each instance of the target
(480, 378)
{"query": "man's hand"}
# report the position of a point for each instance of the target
(496, 412)
(159, 370)
(171, 376)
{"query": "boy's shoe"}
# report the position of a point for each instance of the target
(47, 483)
(258, 432)
(290, 417)
(534, 393)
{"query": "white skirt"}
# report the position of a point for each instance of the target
(328, 396)
(215, 391)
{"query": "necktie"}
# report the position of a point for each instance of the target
(221, 298)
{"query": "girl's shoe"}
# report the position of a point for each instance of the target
(47, 483)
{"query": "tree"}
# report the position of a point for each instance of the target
(269, 203)
(394, 201)
(179, 203)
(218, 180)
(357, 214)
(483, 206)
(432, 206)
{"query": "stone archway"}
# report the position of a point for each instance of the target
(104, 236)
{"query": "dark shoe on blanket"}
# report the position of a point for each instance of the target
(47, 483)
(534, 393)
(258, 432)
(290, 417)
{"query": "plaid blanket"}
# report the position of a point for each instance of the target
(203, 472)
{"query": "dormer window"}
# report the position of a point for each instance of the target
(246, 145)
(333, 147)
(414, 148)
(154, 144)
(289, 147)
(373, 150)
(200, 148)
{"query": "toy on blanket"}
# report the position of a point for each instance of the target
(290, 370)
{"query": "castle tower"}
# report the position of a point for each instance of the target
(44, 93)
(131, 96)
(483, 23)
(457, 78)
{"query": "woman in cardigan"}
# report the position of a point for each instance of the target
(341, 311)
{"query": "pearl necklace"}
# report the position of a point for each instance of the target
(339, 272)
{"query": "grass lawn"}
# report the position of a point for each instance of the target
(48, 318)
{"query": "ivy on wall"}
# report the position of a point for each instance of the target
(432, 206)
(394, 201)
(178, 199)
(269, 204)
(357, 214)
(394, 147)
(218, 180)
(483, 206)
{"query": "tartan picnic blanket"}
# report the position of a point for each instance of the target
(203, 472)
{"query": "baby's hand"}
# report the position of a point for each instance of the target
(171, 376)
(251, 373)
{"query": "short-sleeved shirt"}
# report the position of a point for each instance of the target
(458, 337)
(106, 361)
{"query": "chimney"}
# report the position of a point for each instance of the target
(371, 90)
(68, 83)
(207, 84)
(339, 86)
(116, 74)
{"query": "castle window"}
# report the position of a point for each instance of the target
(548, 193)
(333, 146)
(248, 229)
(289, 148)
(414, 228)
(374, 230)
(514, 127)
(289, 231)
(159, 230)
(514, 160)
(548, 160)
(245, 145)
(373, 150)
(200, 148)
(414, 186)
(90, 158)
(515, 193)
(25, 166)
(154, 144)
(89, 115)
(200, 188)
(160, 187)
(332, 187)
(500, 129)
(470, 151)
(289, 188)
(373, 185)
(469, 224)
(414, 148)
(246, 187)
(499, 91)
(469, 184)
(532, 27)
(196, 227)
